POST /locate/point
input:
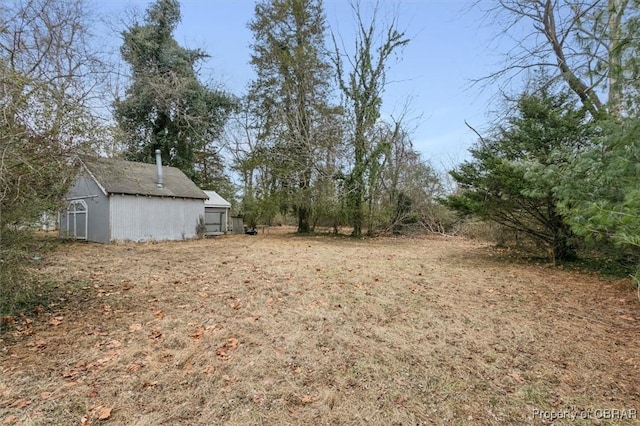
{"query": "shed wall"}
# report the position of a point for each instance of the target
(142, 218)
(97, 209)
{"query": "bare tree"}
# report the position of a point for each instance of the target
(587, 43)
(241, 142)
(362, 80)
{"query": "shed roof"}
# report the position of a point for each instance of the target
(128, 177)
(215, 200)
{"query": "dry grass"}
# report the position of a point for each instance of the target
(281, 329)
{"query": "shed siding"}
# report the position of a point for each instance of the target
(141, 218)
(97, 209)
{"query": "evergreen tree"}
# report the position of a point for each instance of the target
(600, 194)
(290, 95)
(166, 107)
(513, 175)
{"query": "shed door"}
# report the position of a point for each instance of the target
(213, 220)
(77, 220)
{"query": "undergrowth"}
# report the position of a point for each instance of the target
(21, 254)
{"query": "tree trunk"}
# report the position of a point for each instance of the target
(304, 225)
(562, 248)
(357, 194)
(586, 94)
(616, 10)
(356, 210)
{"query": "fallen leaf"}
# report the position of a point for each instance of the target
(308, 399)
(135, 366)
(20, 403)
(9, 420)
(198, 333)
(114, 344)
(55, 321)
(223, 351)
(233, 342)
(627, 318)
(258, 398)
(45, 395)
(517, 377)
(148, 385)
(234, 304)
(135, 327)
(84, 421)
(159, 314)
(104, 413)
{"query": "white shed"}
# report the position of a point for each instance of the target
(117, 200)
(216, 214)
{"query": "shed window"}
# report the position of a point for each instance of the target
(77, 219)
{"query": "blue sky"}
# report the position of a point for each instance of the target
(449, 47)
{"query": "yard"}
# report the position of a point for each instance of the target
(282, 329)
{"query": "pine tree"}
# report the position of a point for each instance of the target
(514, 174)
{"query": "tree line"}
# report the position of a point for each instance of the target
(307, 139)
(562, 164)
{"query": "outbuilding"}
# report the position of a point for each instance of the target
(216, 214)
(116, 200)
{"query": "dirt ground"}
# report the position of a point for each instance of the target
(283, 329)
